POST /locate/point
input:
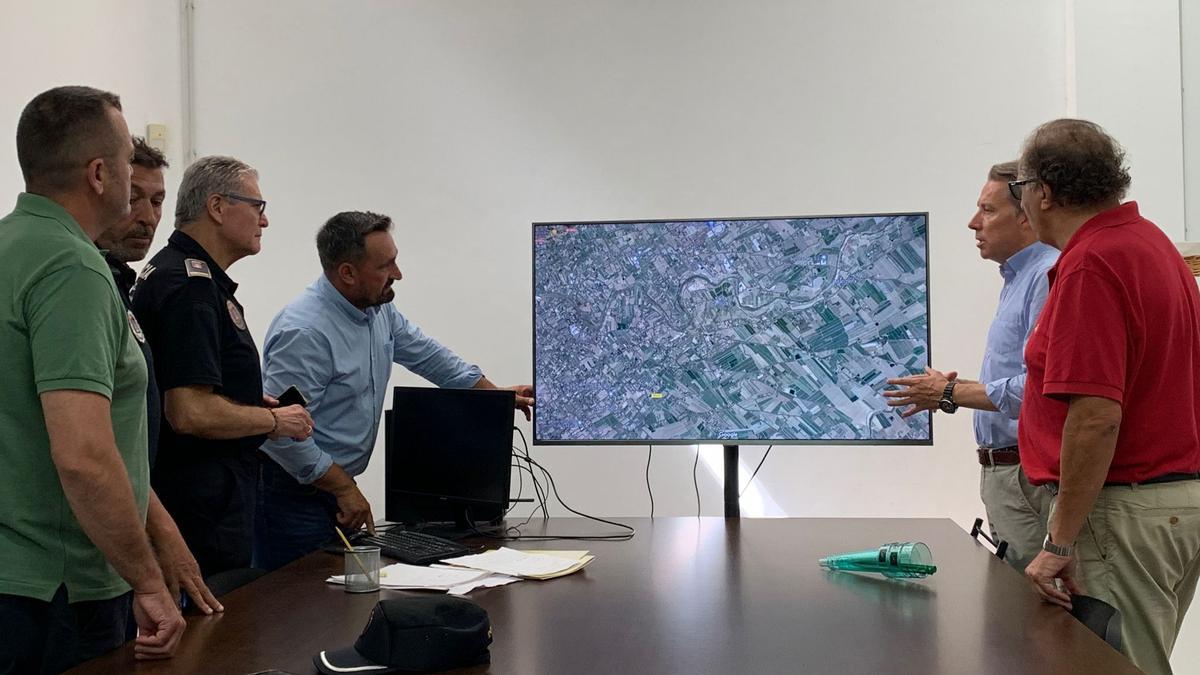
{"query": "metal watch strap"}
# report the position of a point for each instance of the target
(1051, 547)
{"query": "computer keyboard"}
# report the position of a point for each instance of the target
(414, 548)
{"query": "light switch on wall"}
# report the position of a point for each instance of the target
(156, 136)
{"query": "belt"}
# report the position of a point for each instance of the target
(999, 456)
(1165, 478)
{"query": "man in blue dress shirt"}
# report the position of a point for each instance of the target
(336, 343)
(1016, 510)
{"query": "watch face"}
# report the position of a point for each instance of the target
(947, 406)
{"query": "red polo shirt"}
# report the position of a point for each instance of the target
(1121, 321)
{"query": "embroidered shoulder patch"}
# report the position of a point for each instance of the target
(197, 268)
(135, 327)
(235, 315)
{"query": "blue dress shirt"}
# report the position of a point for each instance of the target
(340, 358)
(1003, 370)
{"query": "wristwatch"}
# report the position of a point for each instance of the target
(1064, 551)
(947, 404)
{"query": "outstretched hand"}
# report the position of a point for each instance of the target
(919, 392)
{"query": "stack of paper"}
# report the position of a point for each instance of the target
(540, 565)
(455, 580)
(488, 580)
(484, 570)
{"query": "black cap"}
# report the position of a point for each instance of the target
(415, 634)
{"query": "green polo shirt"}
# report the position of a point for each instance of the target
(62, 327)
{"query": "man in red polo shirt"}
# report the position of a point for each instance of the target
(1112, 397)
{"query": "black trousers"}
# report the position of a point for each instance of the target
(212, 501)
(50, 637)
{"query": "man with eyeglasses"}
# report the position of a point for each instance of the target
(207, 365)
(1016, 509)
(1111, 419)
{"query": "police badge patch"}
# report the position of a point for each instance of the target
(197, 268)
(235, 315)
(135, 327)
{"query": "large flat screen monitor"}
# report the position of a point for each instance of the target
(448, 455)
(771, 330)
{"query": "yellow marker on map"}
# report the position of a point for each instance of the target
(657, 394)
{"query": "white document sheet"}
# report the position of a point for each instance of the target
(514, 563)
(399, 575)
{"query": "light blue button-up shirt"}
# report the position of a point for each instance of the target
(340, 357)
(1003, 371)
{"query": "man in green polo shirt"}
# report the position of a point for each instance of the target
(73, 440)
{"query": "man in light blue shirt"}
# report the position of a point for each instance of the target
(1016, 510)
(336, 343)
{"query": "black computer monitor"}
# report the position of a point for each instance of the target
(731, 330)
(448, 456)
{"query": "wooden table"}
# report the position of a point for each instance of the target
(689, 595)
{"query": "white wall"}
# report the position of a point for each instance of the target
(129, 47)
(466, 121)
(1128, 78)
(1189, 43)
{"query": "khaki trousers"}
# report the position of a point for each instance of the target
(1017, 511)
(1140, 552)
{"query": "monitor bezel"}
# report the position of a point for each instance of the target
(538, 441)
(392, 448)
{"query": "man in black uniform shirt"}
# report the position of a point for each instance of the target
(207, 365)
(129, 241)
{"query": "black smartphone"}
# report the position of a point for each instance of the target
(292, 396)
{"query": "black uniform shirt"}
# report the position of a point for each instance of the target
(125, 277)
(197, 332)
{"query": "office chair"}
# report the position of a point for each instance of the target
(999, 544)
(1100, 617)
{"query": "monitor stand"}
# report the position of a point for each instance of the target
(733, 508)
(461, 527)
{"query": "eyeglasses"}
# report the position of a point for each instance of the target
(260, 204)
(1014, 187)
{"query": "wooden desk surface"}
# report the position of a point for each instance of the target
(688, 595)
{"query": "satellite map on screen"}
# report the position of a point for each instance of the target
(728, 330)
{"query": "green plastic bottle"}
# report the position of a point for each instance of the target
(907, 560)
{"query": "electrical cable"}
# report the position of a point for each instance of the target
(539, 490)
(589, 537)
(542, 493)
(695, 483)
(554, 487)
(650, 490)
(521, 471)
(760, 463)
(520, 482)
(516, 455)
